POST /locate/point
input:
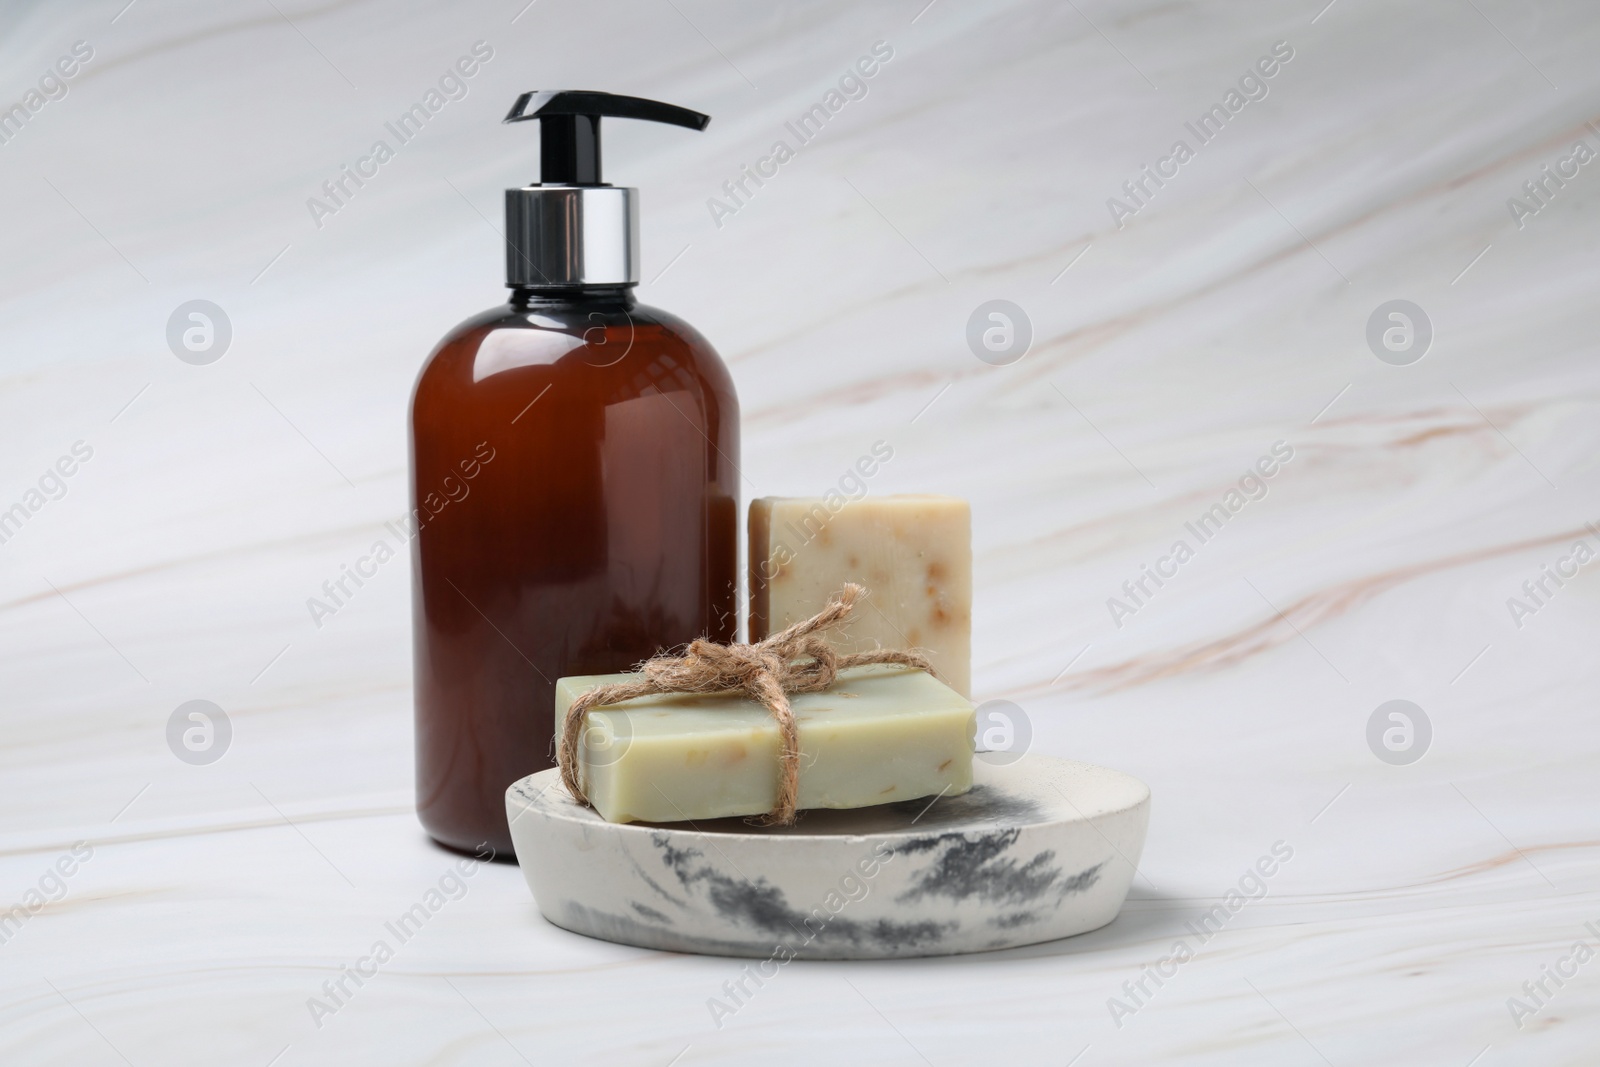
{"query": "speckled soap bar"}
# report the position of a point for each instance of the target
(912, 553)
(880, 734)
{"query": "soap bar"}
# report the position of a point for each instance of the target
(879, 734)
(912, 553)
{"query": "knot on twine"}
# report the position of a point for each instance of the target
(797, 660)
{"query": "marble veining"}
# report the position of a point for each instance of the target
(863, 884)
(1228, 313)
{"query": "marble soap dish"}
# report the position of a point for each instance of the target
(1040, 849)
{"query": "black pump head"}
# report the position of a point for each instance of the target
(569, 128)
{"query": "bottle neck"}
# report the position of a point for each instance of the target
(524, 298)
(560, 236)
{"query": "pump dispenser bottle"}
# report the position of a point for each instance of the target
(574, 480)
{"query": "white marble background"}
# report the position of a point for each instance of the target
(1227, 315)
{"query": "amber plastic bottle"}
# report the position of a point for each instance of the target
(574, 481)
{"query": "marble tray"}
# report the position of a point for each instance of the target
(1039, 849)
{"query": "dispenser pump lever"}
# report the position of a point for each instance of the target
(569, 128)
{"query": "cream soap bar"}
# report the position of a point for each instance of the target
(879, 734)
(912, 553)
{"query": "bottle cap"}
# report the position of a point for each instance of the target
(572, 229)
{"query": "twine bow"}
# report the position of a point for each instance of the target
(797, 660)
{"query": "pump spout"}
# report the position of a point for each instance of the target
(569, 134)
(571, 229)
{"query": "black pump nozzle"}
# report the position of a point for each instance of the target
(569, 128)
(572, 229)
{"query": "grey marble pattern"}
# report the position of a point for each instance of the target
(1037, 850)
(1423, 907)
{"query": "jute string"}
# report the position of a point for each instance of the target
(797, 660)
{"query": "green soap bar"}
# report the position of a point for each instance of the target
(880, 734)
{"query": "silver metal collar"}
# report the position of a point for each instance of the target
(564, 235)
